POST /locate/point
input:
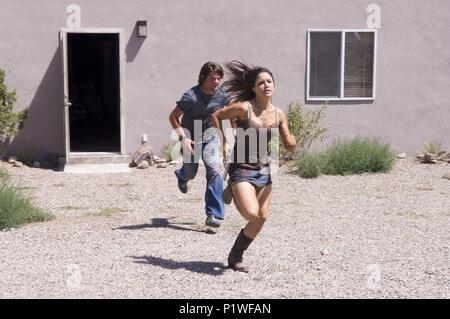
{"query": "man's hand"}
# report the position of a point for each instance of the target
(187, 144)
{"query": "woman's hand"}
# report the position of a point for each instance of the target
(291, 144)
(225, 151)
(288, 139)
(231, 112)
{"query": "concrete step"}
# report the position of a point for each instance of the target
(96, 168)
(96, 158)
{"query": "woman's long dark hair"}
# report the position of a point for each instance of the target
(242, 80)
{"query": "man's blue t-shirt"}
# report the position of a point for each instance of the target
(198, 106)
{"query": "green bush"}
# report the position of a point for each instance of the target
(3, 175)
(309, 165)
(2, 152)
(357, 156)
(15, 208)
(306, 128)
(172, 150)
(433, 148)
(26, 156)
(10, 122)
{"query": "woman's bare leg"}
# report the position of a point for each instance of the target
(246, 200)
(253, 204)
(264, 196)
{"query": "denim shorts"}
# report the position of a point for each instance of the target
(256, 177)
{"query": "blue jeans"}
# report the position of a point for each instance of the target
(210, 151)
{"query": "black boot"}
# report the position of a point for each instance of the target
(235, 257)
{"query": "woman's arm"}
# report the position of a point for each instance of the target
(234, 111)
(288, 139)
(231, 113)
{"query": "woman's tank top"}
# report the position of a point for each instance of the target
(248, 152)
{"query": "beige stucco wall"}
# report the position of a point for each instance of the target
(413, 94)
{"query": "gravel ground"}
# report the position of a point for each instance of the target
(134, 235)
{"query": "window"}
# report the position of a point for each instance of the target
(341, 64)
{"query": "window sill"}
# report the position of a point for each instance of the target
(340, 99)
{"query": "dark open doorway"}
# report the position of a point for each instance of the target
(94, 92)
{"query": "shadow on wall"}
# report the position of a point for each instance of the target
(133, 45)
(43, 130)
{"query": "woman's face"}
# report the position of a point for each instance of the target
(263, 85)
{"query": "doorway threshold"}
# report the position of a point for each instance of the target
(76, 158)
(93, 153)
(96, 168)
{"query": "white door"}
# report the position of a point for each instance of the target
(66, 103)
(66, 97)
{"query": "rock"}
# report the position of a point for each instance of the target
(12, 160)
(162, 165)
(52, 160)
(325, 252)
(144, 153)
(428, 159)
(18, 164)
(430, 271)
(175, 162)
(37, 164)
(401, 156)
(156, 158)
(444, 156)
(160, 161)
(143, 164)
(319, 268)
(446, 176)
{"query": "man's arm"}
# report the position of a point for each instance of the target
(174, 119)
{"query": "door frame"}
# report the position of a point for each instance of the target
(66, 104)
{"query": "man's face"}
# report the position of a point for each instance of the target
(211, 83)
